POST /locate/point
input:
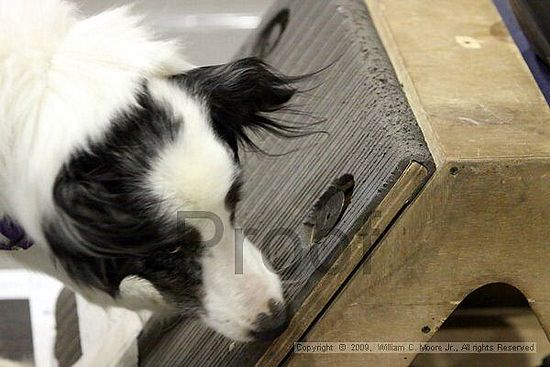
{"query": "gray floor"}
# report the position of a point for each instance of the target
(211, 30)
(15, 330)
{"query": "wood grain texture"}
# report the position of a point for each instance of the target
(372, 134)
(471, 91)
(474, 223)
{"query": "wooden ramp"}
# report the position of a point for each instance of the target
(373, 135)
(484, 216)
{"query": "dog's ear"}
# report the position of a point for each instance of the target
(98, 215)
(240, 95)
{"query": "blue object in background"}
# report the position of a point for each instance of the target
(540, 71)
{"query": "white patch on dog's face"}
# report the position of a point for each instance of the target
(195, 174)
(196, 171)
(234, 299)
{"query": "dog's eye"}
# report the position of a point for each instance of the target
(176, 250)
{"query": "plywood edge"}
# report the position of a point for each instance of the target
(403, 191)
(377, 13)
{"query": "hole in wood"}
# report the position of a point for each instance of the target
(328, 209)
(272, 34)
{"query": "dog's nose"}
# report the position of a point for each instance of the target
(270, 325)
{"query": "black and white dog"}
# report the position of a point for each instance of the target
(105, 134)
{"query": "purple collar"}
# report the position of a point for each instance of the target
(12, 236)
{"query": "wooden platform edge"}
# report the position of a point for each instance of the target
(403, 192)
(467, 228)
(377, 15)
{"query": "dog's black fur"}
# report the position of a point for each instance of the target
(108, 227)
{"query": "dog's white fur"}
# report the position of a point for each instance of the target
(62, 77)
(182, 176)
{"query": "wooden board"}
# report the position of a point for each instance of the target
(467, 83)
(484, 223)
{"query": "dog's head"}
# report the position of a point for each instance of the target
(146, 212)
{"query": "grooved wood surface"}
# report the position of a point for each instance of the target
(373, 135)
